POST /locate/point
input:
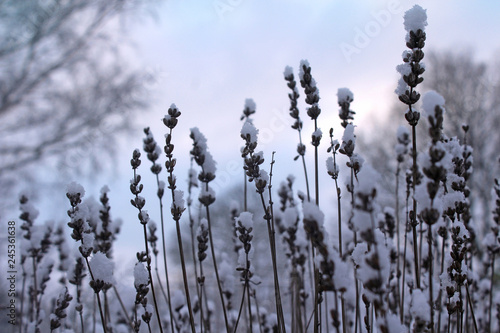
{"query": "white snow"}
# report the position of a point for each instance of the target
(288, 71)
(141, 275)
(368, 179)
(331, 167)
(349, 134)
(249, 129)
(246, 220)
(400, 149)
(144, 216)
(415, 18)
(87, 241)
(393, 323)
(404, 68)
(419, 305)
(301, 69)
(290, 216)
(29, 208)
(317, 133)
(202, 227)
(178, 199)
(264, 176)
(249, 103)
(209, 164)
(312, 212)
(402, 87)
(199, 138)
(104, 189)
(74, 188)
(204, 192)
(356, 158)
(345, 95)
(430, 100)
(102, 267)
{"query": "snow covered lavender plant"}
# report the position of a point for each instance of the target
(368, 278)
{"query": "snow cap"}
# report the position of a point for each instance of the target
(430, 100)
(345, 95)
(415, 18)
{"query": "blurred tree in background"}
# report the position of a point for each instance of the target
(471, 89)
(66, 87)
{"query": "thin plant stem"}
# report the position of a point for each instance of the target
(305, 172)
(431, 296)
(279, 306)
(22, 298)
(316, 174)
(97, 296)
(471, 308)
(490, 305)
(184, 275)
(249, 303)
(244, 294)
(214, 260)
(413, 218)
(200, 298)
(407, 222)
(398, 257)
(164, 249)
(148, 266)
(443, 245)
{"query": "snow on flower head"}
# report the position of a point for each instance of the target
(264, 176)
(331, 166)
(301, 68)
(246, 220)
(288, 71)
(367, 180)
(345, 95)
(312, 212)
(102, 267)
(430, 100)
(199, 138)
(141, 276)
(249, 129)
(415, 19)
(317, 133)
(290, 216)
(249, 103)
(349, 134)
(104, 189)
(178, 199)
(402, 87)
(74, 188)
